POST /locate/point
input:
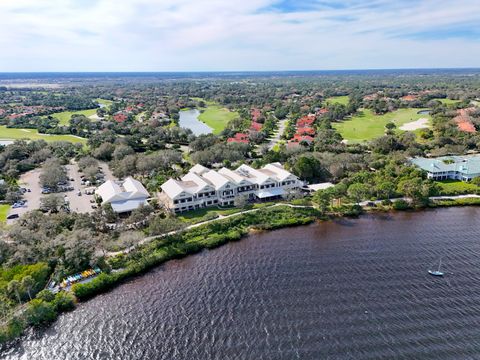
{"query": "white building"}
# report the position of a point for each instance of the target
(203, 187)
(123, 197)
(463, 168)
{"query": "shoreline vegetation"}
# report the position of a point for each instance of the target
(46, 306)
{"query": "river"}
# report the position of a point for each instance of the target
(346, 289)
(189, 119)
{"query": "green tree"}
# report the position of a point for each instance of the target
(385, 189)
(358, 191)
(39, 312)
(28, 283)
(14, 288)
(322, 199)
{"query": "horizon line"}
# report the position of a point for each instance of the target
(233, 71)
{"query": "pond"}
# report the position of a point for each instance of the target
(423, 112)
(189, 120)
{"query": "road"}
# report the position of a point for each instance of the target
(278, 133)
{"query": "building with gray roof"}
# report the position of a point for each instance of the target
(463, 168)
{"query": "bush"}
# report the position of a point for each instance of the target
(401, 205)
(40, 312)
(386, 202)
(64, 301)
(13, 329)
(101, 283)
(46, 295)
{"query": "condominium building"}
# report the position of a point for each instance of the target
(463, 168)
(203, 187)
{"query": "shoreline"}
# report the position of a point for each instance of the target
(157, 250)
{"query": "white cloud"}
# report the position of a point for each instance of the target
(187, 35)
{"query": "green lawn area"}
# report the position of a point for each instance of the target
(64, 116)
(3, 212)
(216, 117)
(338, 100)
(32, 134)
(104, 102)
(448, 101)
(456, 187)
(196, 216)
(367, 126)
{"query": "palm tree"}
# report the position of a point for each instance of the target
(14, 287)
(28, 283)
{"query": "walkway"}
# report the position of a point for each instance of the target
(223, 217)
(220, 217)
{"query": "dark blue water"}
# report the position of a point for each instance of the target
(350, 289)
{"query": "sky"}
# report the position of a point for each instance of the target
(237, 35)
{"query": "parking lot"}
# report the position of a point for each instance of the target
(77, 203)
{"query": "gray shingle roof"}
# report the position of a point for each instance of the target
(468, 165)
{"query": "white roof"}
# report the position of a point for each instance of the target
(130, 189)
(234, 176)
(278, 170)
(252, 174)
(127, 205)
(198, 169)
(172, 188)
(198, 180)
(218, 180)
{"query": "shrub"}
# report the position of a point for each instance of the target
(64, 301)
(40, 312)
(46, 295)
(401, 205)
(13, 329)
(386, 202)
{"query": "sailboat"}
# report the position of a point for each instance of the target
(437, 272)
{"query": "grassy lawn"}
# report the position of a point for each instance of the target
(104, 101)
(217, 117)
(456, 187)
(3, 212)
(32, 134)
(196, 216)
(448, 101)
(64, 116)
(367, 126)
(338, 100)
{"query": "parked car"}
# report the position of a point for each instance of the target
(79, 193)
(12, 216)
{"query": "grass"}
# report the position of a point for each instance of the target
(32, 134)
(456, 187)
(367, 126)
(217, 117)
(3, 212)
(196, 216)
(338, 100)
(64, 116)
(448, 101)
(104, 101)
